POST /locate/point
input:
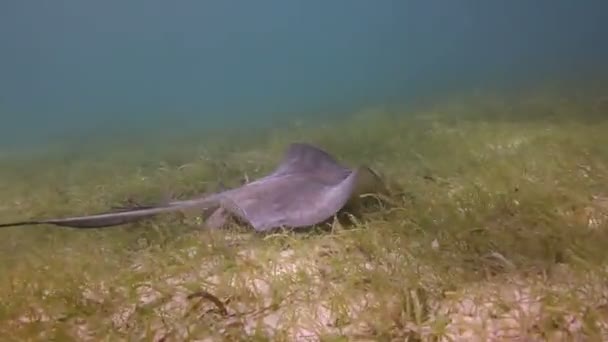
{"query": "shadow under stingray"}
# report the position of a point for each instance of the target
(309, 187)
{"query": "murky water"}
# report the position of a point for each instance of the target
(82, 70)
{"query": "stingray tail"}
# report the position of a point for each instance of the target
(116, 218)
(20, 223)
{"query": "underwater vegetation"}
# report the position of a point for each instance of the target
(496, 229)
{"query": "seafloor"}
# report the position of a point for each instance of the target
(497, 229)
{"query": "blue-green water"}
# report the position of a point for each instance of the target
(68, 67)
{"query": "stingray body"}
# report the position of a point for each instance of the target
(307, 188)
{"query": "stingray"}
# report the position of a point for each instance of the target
(307, 188)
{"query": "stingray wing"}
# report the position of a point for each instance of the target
(296, 200)
(308, 187)
(301, 158)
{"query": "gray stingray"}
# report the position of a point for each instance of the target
(307, 188)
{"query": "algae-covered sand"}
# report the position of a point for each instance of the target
(497, 229)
